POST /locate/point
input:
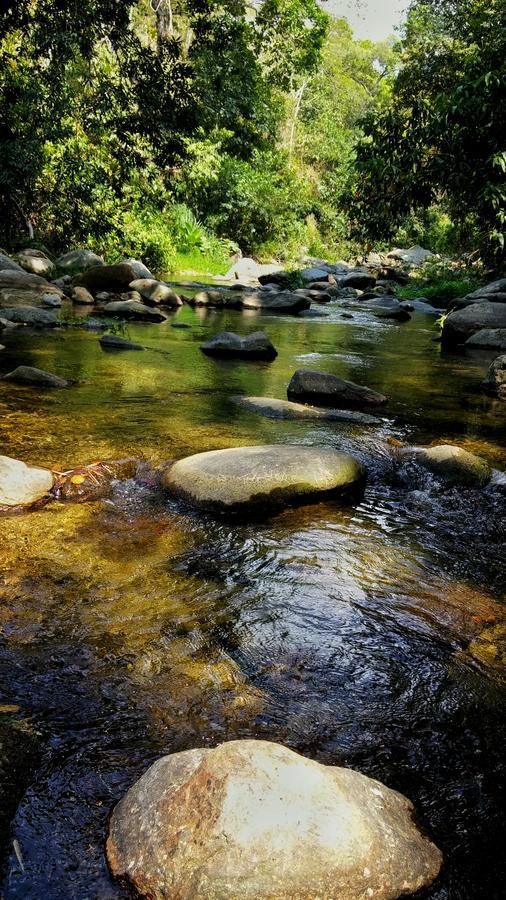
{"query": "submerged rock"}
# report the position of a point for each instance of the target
(132, 309)
(115, 342)
(463, 323)
(93, 481)
(22, 485)
(455, 464)
(19, 753)
(228, 344)
(322, 389)
(265, 475)
(252, 819)
(284, 409)
(495, 380)
(37, 377)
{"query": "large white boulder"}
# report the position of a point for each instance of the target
(252, 820)
(22, 485)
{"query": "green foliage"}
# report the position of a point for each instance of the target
(441, 139)
(440, 291)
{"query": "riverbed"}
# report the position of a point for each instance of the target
(370, 636)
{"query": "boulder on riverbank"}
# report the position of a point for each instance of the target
(230, 345)
(272, 408)
(463, 323)
(156, 292)
(262, 476)
(30, 315)
(22, 485)
(269, 301)
(488, 339)
(115, 279)
(323, 389)
(8, 264)
(252, 819)
(36, 377)
(455, 464)
(79, 259)
(35, 261)
(494, 382)
(82, 296)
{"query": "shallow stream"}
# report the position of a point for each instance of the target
(368, 636)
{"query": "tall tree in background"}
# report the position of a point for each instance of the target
(441, 140)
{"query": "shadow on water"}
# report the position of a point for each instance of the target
(370, 636)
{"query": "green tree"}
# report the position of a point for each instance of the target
(441, 139)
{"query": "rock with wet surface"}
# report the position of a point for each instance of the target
(463, 323)
(252, 819)
(262, 476)
(19, 753)
(36, 377)
(115, 342)
(132, 309)
(156, 291)
(495, 380)
(253, 346)
(51, 301)
(488, 339)
(360, 280)
(323, 389)
(455, 464)
(30, 315)
(22, 485)
(272, 408)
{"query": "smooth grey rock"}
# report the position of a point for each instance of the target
(263, 476)
(273, 408)
(284, 301)
(25, 281)
(51, 301)
(138, 267)
(8, 264)
(314, 274)
(79, 259)
(37, 377)
(132, 309)
(360, 280)
(488, 339)
(323, 389)
(21, 485)
(460, 325)
(252, 346)
(115, 342)
(494, 287)
(455, 464)
(248, 269)
(252, 819)
(35, 261)
(30, 315)
(495, 380)
(156, 291)
(423, 306)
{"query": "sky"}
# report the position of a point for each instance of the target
(374, 19)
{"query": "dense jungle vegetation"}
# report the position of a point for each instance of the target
(180, 130)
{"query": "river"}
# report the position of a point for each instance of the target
(368, 636)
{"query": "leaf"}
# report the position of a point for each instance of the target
(77, 479)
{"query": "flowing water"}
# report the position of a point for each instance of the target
(368, 636)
